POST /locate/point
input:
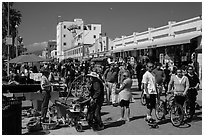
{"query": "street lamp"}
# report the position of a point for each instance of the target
(16, 40)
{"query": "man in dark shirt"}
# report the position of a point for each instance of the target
(159, 77)
(96, 102)
(111, 78)
(167, 77)
(193, 87)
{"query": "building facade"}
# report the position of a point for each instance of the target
(101, 48)
(174, 42)
(74, 38)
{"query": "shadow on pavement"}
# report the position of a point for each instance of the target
(42, 132)
(164, 121)
(114, 124)
(185, 125)
(137, 117)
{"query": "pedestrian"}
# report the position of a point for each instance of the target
(180, 85)
(159, 77)
(193, 88)
(96, 102)
(46, 89)
(150, 91)
(123, 68)
(125, 95)
(140, 70)
(167, 77)
(111, 78)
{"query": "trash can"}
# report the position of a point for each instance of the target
(11, 117)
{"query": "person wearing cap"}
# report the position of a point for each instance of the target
(96, 102)
(46, 89)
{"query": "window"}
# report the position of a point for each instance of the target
(94, 28)
(64, 35)
(89, 26)
(94, 36)
(64, 26)
(64, 43)
(56, 53)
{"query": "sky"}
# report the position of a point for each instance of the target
(39, 19)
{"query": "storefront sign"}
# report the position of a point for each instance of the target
(36, 76)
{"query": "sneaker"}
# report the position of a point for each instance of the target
(128, 119)
(121, 119)
(101, 127)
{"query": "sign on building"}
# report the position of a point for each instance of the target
(8, 40)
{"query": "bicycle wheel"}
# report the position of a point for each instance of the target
(142, 99)
(78, 127)
(176, 115)
(160, 110)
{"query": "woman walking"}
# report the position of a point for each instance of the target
(125, 96)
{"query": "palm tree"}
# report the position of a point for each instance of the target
(14, 19)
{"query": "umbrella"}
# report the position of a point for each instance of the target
(26, 58)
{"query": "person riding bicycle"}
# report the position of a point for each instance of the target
(180, 85)
(193, 87)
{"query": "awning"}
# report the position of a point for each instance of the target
(199, 49)
(159, 43)
(176, 40)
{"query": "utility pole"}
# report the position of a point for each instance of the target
(8, 44)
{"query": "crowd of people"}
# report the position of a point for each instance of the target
(116, 79)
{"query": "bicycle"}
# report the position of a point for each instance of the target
(171, 107)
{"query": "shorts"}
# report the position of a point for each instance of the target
(151, 102)
(180, 99)
(124, 103)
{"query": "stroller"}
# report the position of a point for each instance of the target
(75, 109)
(73, 114)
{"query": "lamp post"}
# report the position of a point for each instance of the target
(16, 40)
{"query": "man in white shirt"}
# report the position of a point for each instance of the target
(150, 90)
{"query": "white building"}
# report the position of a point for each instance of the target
(177, 40)
(102, 47)
(54, 54)
(73, 38)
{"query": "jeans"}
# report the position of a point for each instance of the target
(44, 107)
(94, 115)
